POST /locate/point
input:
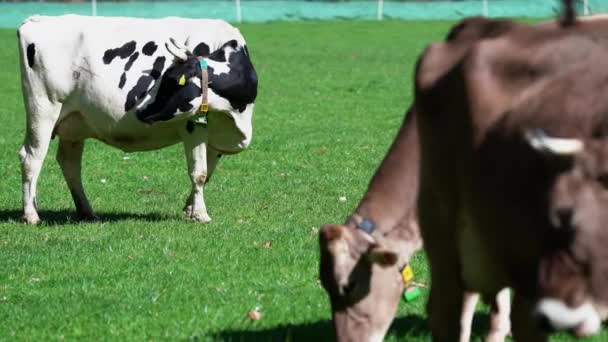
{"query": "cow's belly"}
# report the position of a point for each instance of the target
(126, 133)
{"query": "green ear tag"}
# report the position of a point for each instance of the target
(203, 64)
(411, 294)
(182, 80)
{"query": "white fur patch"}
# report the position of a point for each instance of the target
(221, 67)
(561, 317)
(218, 67)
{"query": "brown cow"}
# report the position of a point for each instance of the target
(513, 127)
(361, 278)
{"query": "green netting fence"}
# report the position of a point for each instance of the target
(13, 13)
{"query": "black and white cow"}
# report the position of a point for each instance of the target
(112, 79)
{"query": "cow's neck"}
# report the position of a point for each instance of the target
(392, 191)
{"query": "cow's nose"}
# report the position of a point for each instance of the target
(544, 323)
(564, 216)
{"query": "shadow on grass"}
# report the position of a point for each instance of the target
(411, 326)
(63, 217)
(402, 328)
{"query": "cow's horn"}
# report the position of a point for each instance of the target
(544, 143)
(176, 50)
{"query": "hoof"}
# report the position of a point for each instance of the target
(188, 210)
(31, 219)
(200, 217)
(88, 217)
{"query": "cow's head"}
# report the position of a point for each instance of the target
(362, 278)
(573, 272)
(232, 90)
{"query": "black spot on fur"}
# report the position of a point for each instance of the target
(31, 53)
(123, 80)
(140, 89)
(219, 55)
(240, 84)
(157, 68)
(131, 61)
(172, 97)
(149, 48)
(123, 52)
(190, 126)
(202, 50)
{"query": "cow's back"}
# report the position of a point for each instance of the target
(109, 55)
(107, 68)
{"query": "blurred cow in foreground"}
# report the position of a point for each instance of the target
(512, 145)
(112, 79)
(513, 127)
(362, 259)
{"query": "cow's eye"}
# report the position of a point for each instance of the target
(603, 180)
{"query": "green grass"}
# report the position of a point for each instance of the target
(332, 95)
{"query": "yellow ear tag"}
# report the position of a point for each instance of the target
(407, 274)
(182, 81)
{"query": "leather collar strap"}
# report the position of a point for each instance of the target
(204, 108)
(363, 223)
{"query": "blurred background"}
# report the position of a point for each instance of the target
(12, 13)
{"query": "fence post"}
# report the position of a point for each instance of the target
(485, 8)
(239, 17)
(380, 9)
(94, 7)
(586, 7)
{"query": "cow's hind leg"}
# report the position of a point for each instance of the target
(195, 145)
(69, 157)
(41, 118)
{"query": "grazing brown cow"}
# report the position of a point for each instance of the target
(361, 260)
(513, 130)
(362, 279)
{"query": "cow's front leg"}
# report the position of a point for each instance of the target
(446, 298)
(525, 326)
(195, 145)
(69, 157)
(500, 320)
(213, 157)
(469, 303)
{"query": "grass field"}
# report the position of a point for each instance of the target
(332, 95)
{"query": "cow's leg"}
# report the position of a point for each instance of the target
(213, 157)
(69, 157)
(469, 303)
(525, 327)
(500, 321)
(41, 118)
(445, 302)
(195, 145)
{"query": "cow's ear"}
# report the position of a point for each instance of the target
(382, 256)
